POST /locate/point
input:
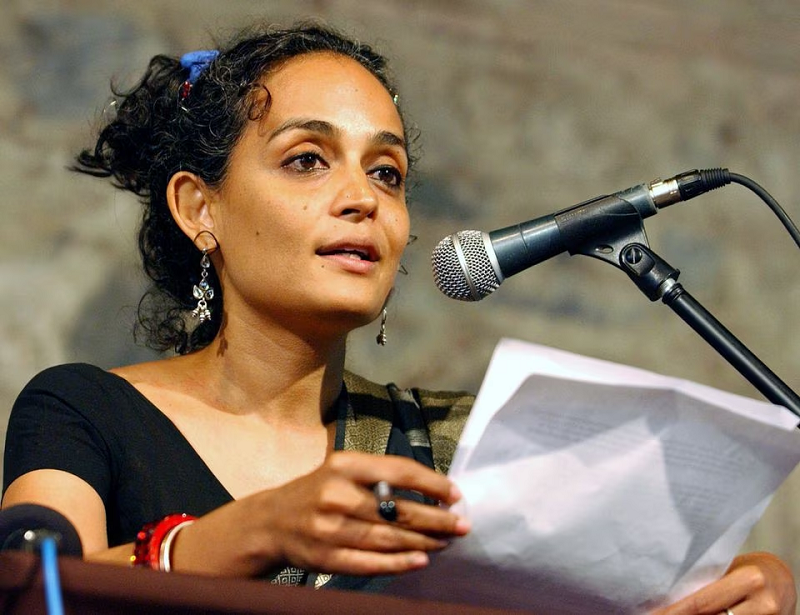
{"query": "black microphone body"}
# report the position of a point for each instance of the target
(523, 245)
(469, 265)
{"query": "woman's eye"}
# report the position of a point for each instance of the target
(388, 175)
(305, 162)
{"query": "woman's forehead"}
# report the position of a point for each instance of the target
(330, 87)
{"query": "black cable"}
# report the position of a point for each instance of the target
(771, 202)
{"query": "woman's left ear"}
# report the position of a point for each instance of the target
(189, 200)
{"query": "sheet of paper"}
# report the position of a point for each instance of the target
(595, 487)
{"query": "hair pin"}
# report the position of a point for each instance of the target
(196, 62)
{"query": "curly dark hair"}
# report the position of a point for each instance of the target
(156, 133)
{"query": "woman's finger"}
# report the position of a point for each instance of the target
(711, 600)
(427, 519)
(399, 472)
(340, 531)
(350, 499)
(745, 589)
(367, 563)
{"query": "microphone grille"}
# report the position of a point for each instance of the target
(470, 279)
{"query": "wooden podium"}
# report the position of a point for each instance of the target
(102, 588)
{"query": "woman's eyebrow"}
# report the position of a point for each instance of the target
(385, 137)
(319, 126)
(381, 137)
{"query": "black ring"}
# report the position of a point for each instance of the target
(387, 508)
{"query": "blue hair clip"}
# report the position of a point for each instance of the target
(197, 62)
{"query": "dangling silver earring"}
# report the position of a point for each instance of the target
(203, 291)
(382, 339)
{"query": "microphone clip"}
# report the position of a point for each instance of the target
(615, 225)
(654, 276)
(623, 243)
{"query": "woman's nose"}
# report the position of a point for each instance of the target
(357, 198)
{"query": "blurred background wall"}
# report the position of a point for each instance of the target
(524, 106)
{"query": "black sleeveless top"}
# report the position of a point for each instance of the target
(86, 421)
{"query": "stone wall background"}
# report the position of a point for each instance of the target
(525, 107)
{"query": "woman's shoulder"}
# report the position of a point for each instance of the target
(82, 387)
(444, 412)
(427, 399)
(69, 376)
(441, 415)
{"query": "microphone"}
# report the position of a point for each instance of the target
(23, 526)
(469, 265)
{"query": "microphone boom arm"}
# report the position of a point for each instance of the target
(658, 280)
(618, 238)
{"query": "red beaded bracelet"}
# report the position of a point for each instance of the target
(153, 544)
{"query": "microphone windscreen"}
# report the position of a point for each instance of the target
(16, 520)
(462, 268)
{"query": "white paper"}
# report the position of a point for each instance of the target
(600, 488)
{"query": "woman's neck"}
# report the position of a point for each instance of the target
(274, 372)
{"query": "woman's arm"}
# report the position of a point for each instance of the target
(325, 521)
(76, 500)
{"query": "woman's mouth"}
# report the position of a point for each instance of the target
(357, 259)
(352, 254)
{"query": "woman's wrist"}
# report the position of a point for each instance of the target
(154, 542)
(247, 550)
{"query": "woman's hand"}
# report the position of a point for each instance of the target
(755, 584)
(326, 521)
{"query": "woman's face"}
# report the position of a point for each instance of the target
(311, 217)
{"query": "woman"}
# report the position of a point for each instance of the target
(273, 176)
